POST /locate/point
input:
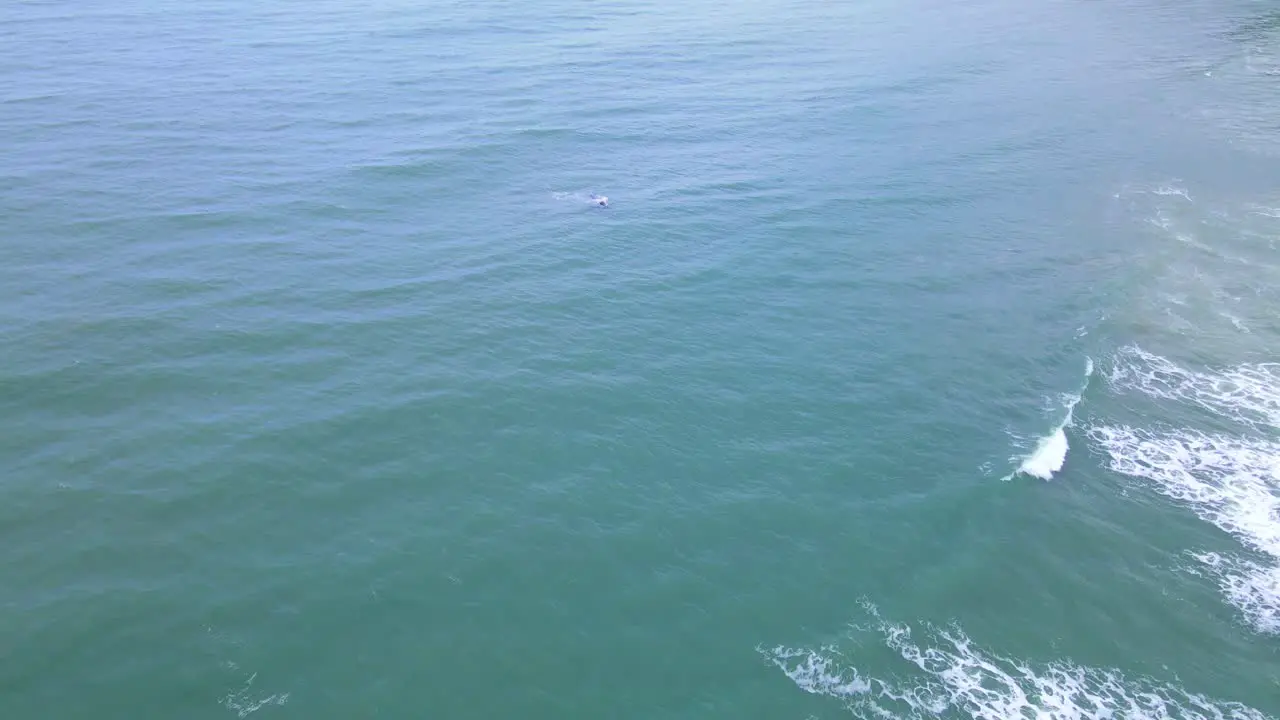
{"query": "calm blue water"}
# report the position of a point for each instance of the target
(924, 363)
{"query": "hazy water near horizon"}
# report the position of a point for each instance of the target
(924, 363)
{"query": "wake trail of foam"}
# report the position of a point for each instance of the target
(579, 197)
(946, 675)
(1050, 453)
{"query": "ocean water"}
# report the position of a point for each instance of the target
(925, 364)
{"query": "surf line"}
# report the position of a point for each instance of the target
(1050, 452)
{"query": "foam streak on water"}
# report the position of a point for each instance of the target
(946, 675)
(243, 703)
(1231, 481)
(1248, 394)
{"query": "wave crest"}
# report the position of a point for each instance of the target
(1050, 452)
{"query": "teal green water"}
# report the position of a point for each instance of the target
(922, 365)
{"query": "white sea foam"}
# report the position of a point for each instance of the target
(1251, 587)
(1249, 394)
(946, 675)
(1236, 322)
(243, 704)
(585, 198)
(1172, 190)
(819, 673)
(1214, 271)
(1232, 482)
(1050, 452)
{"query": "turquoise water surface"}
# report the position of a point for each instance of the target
(924, 364)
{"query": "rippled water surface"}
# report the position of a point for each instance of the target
(925, 363)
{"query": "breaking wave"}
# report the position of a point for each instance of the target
(1050, 452)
